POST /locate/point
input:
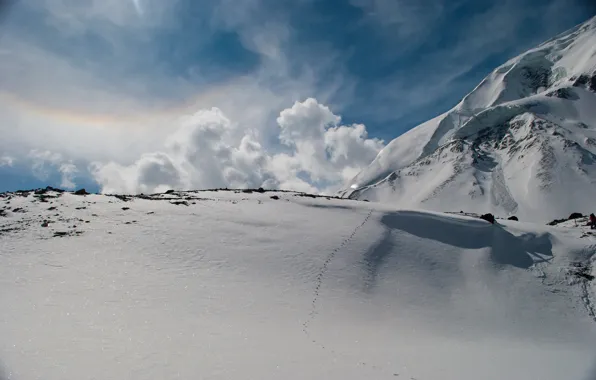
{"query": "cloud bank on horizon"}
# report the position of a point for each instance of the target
(147, 95)
(208, 150)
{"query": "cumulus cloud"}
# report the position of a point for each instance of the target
(209, 150)
(45, 163)
(328, 152)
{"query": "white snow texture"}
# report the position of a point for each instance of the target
(229, 285)
(523, 142)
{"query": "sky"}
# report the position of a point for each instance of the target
(140, 96)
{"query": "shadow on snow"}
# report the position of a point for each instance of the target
(506, 249)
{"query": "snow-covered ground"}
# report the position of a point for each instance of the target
(233, 285)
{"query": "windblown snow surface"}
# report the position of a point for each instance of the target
(523, 142)
(279, 285)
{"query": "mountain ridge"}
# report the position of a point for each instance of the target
(541, 102)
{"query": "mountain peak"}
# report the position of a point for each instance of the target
(542, 102)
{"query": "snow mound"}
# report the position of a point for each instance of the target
(520, 143)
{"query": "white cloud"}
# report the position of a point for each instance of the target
(68, 170)
(81, 16)
(324, 149)
(6, 161)
(45, 163)
(209, 150)
(42, 163)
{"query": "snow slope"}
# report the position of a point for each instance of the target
(522, 142)
(234, 285)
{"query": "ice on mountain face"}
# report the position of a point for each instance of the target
(526, 136)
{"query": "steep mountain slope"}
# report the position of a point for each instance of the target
(522, 142)
(235, 285)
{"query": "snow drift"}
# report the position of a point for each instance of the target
(522, 142)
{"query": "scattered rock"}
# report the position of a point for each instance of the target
(19, 209)
(123, 198)
(93, 214)
(23, 193)
(81, 192)
(170, 191)
(489, 218)
(50, 188)
(86, 221)
(47, 190)
(2, 213)
(563, 93)
(556, 221)
(125, 208)
(180, 203)
(60, 234)
(582, 270)
(247, 191)
(260, 190)
(51, 208)
(45, 224)
(575, 215)
(274, 197)
(81, 208)
(305, 195)
(513, 218)
(150, 213)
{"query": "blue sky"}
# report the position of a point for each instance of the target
(96, 93)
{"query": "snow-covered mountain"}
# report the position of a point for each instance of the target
(280, 285)
(523, 142)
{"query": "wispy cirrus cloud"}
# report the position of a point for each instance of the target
(449, 46)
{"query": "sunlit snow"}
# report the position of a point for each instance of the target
(275, 285)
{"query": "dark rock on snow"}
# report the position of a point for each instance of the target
(489, 218)
(180, 203)
(557, 221)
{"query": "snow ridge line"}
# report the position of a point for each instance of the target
(323, 271)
